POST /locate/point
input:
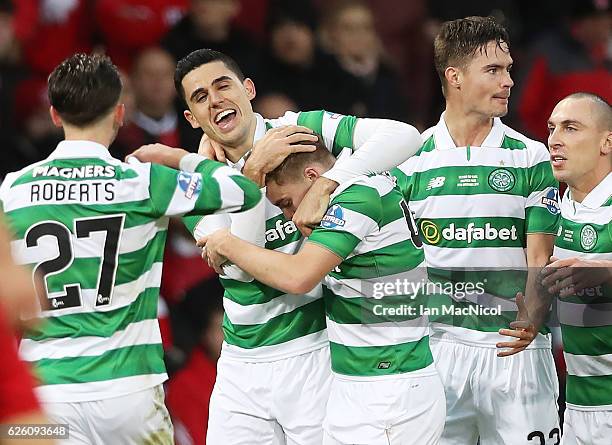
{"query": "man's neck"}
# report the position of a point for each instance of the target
(585, 185)
(466, 128)
(101, 136)
(235, 153)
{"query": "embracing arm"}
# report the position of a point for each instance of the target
(380, 145)
(294, 274)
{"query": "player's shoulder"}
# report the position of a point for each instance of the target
(13, 177)
(364, 193)
(514, 140)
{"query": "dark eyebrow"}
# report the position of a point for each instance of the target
(217, 80)
(567, 122)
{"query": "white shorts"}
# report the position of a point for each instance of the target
(587, 427)
(136, 418)
(503, 400)
(278, 402)
(403, 410)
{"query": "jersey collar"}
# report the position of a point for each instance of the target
(444, 140)
(599, 195)
(260, 131)
(79, 149)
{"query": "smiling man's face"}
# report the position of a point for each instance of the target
(220, 103)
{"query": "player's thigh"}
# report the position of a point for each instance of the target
(420, 416)
(456, 364)
(385, 412)
(241, 404)
(72, 415)
(134, 419)
(587, 427)
(518, 399)
(301, 394)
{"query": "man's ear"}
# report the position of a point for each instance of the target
(453, 77)
(119, 114)
(311, 173)
(55, 117)
(191, 119)
(250, 88)
(606, 147)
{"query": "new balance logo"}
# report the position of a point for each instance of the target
(436, 182)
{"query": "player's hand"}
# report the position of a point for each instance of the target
(312, 208)
(274, 147)
(159, 154)
(211, 149)
(212, 246)
(522, 329)
(570, 275)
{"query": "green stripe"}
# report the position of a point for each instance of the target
(572, 241)
(540, 220)
(302, 321)
(589, 391)
(253, 292)
(476, 322)
(587, 340)
(252, 195)
(361, 199)
(98, 324)
(437, 231)
(131, 266)
(389, 260)
(114, 364)
(498, 282)
(380, 360)
(339, 242)
(513, 144)
(403, 182)
(344, 134)
(391, 207)
(428, 145)
(312, 120)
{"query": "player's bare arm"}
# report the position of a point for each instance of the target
(570, 275)
(294, 274)
(532, 308)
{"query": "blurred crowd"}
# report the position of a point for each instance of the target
(369, 58)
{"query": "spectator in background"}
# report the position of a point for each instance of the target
(298, 74)
(32, 117)
(129, 26)
(574, 57)
(15, 152)
(51, 30)
(349, 32)
(155, 117)
(189, 391)
(208, 24)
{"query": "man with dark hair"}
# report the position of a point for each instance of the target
(580, 144)
(95, 228)
(485, 199)
(385, 388)
(275, 338)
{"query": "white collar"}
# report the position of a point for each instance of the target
(599, 195)
(80, 149)
(445, 141)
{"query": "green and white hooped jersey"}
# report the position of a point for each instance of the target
(370, 227)
(95, 227)
(474, 207)
(585, 231)
(262, 323)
